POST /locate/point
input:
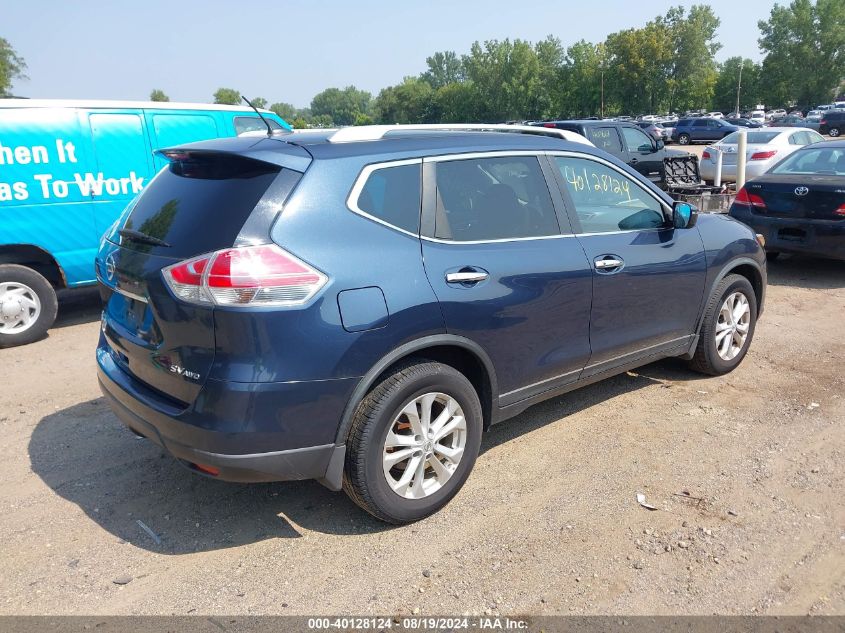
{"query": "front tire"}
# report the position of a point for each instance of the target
(413, 442)
(728, 327)
(28, 305)
(684, 139)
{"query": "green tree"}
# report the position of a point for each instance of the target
(342, 106)
(582, 75)
(456, 103)
(284, 110)
(158, 95)
(506, 77)
(443, 69)
(12, 66)
(692, 70)
(299, 123)
(408, 102)
(804, 47)
(725, 91)
(227, 96)
(259, 102)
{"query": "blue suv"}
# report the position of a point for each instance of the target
(358, 306)
(706, 129)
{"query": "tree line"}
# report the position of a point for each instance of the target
(668, 65)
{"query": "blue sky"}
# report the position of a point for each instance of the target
(289, 51)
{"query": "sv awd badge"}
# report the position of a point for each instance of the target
(181, 371)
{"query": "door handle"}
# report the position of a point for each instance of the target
(466, 277)
(608, 263)
(633, 161)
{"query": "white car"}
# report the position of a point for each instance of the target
(715, 115)
(758, 116)
(765, 147)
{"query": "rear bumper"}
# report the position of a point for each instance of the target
(821, 238)
(752, 170)
(261, 436)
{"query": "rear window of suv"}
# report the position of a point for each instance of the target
(199, 204)
(392, 195)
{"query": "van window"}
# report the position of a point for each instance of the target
(493, 199)
(178, 129)
(253, 124)
(605, 138)
(392, 194)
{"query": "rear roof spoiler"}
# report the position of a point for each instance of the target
(266, 150)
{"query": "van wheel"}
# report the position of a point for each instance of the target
(413, 442)
(728, 327)
(684, 139)
(28, 305)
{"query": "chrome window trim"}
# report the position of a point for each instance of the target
(438, 240)
(361, 181)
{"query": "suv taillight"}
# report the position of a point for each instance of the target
(263, 275)
(749, 199)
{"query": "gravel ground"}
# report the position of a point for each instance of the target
(746, 471)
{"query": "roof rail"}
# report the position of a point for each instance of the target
(376, 132)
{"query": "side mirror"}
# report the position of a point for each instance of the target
(660, 144)
(684, 215)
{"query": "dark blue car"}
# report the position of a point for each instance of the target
(705, 129)
(359, 306)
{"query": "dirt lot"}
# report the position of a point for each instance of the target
(548, 522)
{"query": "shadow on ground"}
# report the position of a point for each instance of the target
(77, 306)
(806, 272)
(87, 457)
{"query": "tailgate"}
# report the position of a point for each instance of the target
(202, 202)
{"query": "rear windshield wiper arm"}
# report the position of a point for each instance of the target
(137, 236)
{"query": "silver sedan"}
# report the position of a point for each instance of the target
(765, 147)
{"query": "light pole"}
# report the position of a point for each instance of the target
(739, 84)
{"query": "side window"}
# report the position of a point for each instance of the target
(796, 139)
(606, 200)
(605, 138)
(253, 124)
(392, 194)
(636, 140)
(493, 199)
(699, 123)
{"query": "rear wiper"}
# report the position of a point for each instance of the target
(143, 238)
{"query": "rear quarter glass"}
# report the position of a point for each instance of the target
(199, 204)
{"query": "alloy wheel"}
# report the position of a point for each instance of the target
(732, 326)
(424, 445)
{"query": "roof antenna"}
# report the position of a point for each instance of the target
(261, 116)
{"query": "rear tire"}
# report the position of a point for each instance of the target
(730, 317)
(833, 132)
(391, 450)
(28, 305)
(684, 139)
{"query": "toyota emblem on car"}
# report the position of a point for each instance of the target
(801, 191)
